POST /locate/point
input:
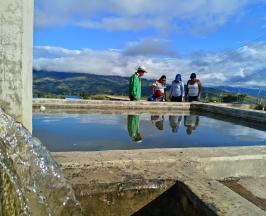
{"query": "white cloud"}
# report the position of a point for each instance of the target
(53, 52)
(150, 47)
(241, 133)
(243, 66)
(167, 15)
(122, 23)
(240, 72)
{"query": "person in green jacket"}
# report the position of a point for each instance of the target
(134, 92)
(133, 127)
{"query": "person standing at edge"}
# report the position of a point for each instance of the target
(193, 89)
(177, 89)
(134, 92)
(159, 89)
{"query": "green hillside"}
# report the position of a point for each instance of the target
(58, 84)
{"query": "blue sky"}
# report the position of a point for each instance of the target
(222, 41)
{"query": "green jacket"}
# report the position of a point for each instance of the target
(133, 125)
(135, 87)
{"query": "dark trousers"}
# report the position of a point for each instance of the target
(132, 98)
(193, 98)
(176, 99)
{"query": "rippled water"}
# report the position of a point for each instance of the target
(31, 183)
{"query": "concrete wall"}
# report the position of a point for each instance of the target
(229, 111)
(16, 39)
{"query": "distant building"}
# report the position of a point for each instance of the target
(72, 97)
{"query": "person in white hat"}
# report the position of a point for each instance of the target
(134, 91)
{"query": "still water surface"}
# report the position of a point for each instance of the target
(94, 132)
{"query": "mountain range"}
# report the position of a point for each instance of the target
(249, 91)
(66, 83)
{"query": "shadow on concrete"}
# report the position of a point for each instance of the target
(176, 201)
(242, 191)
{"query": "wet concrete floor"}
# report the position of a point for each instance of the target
(252, 189)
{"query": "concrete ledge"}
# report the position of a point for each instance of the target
(102, 104)
(145, 106)
(197, 168)
(249, 115)
(112, 111)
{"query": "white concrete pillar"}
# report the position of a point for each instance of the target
(16, 42)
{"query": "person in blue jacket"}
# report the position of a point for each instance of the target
(177, 90)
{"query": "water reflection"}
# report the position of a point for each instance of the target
(157, 120)
(191, 122)
(133, 127)
(153, 130)
(175, 123)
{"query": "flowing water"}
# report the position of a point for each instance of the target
(31, 183)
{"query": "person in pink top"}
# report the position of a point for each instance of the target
(158, 89)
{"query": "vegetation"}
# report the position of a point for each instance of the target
(47, 95)
(97, 87)
(234, 98)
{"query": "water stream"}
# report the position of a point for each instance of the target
(31, 183)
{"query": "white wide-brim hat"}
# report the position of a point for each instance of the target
(142, 69)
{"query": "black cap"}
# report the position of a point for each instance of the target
(193, 75)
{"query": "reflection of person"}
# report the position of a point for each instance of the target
(175, 122)
(157, 120)
(134, 91)
(193, 89)
(191, 122)
(177, 89)
(133, 127)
